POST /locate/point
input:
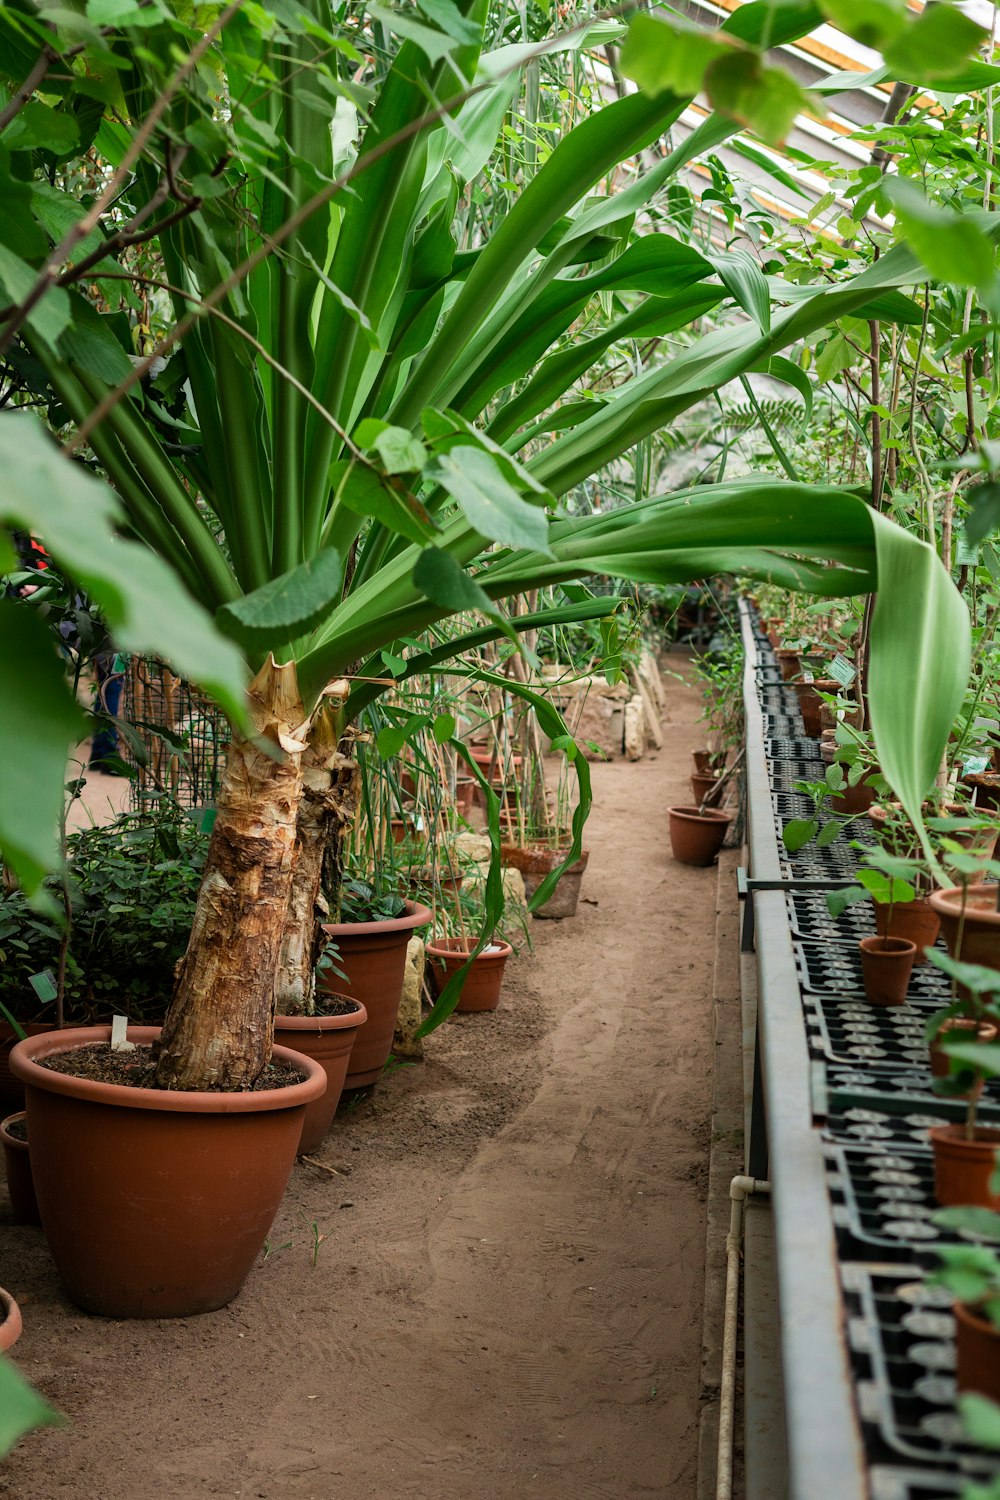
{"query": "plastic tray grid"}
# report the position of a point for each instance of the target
(884, 1205)
(901, 1336)
(828, 970)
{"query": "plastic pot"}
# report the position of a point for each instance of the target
(481, 986)
(977, 1353)
(20, 1184)
(696, 837)
(886, 965)
(372, 955)
(963, 1167)
(156, 1203)
(328, 1040)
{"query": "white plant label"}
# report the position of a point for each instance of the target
(119, 1037)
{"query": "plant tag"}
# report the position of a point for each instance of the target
(119, 665)
(44, 985)
(966, 552)
(119, 1039)
(975, 765)
(841, 671)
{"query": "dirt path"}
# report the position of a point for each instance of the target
(508, 1302)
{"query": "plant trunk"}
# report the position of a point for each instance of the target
(330, 791)
(220, 1027)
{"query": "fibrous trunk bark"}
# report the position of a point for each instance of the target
(330, 789)
(219, 1030)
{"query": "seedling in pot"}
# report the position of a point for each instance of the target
(886, 961)
(965, 1156)
(971, 1272)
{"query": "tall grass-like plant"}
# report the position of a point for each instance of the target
(365, 426)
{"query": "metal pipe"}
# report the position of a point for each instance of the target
(740, 1190)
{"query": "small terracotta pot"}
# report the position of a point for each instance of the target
(20, 1184)
(977, 1352)
(886, 965)
(855, 799)
(811, 705)
(373, 957)
(465, 787)
(156, 1202)
(707, 761)
(11, 1090)
(535, 863)
(976, 1031)
(10, 1321)
(987, 785)
(970, 925)
(980, 841)
(915, 921)
(790, 663)
(328, 1040)
(963, 1168)
(703, 786)
(696, 837)
(482, 984)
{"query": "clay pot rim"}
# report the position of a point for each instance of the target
(987, 1137)
(414, 916)
(346, 1022)
(966, 1023)
(549, 858)
(11, 1141)
(982, 1325)
(692, 815)
(441, 948)
(880, 946)
(167, 1101)
(949, 901)
(10, 1320)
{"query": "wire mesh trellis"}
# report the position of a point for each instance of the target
(184, 736)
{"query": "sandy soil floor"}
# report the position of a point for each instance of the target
(507, 1302)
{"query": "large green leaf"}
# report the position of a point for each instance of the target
(490, 503)
(39, 724)
(288, 606)
(76, 516)
(21, 1408)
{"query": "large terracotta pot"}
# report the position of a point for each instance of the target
(156, 1203)
(372, 956)
(329, 1041)
(886, 965)
(915, 921)
(963, 1168)
(20, 1183)
(535, 864)
(696, 837)
(970, 924)
(10, 1321)
(977, 1353)
(481, 986)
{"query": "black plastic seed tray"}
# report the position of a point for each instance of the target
(778, 698)
(781, 725)
(849, 1030)
(828, 970)
(901, 1336)
(884, 1204)
(797, 747)
(886, 1121)
(809, 918)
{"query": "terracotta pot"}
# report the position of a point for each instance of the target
(790, 663)
(970, 922)
(465, 788)
(811, 705)
(373, 957)
(11, 1091)
(904, 840)
(706, 761)
(915, 921)
(535, 864)
(977, 1353)
(328, 1040)
(402, 830)
(696, 838)
(156, 1203)
(20, 1184)
(481, 987)
(976, 1031)
(886, 965)
(987, 785)
(703, 786)
(10, 1321)
(427, 878)
(963, 1168)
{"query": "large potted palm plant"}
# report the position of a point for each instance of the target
(357, 424)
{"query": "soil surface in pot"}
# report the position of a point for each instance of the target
(18, 1131)
(136, 1070)
(508, 1298)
